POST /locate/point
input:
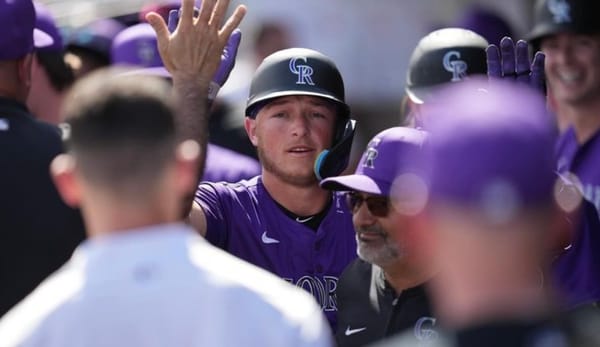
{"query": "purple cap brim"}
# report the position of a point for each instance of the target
(41, 39)
(360, 183)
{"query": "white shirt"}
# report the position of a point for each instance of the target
(162, 286)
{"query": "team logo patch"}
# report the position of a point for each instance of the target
(453, 64)
(424, 329)
(561, 11)
(146, 52)
(303, 71)
(371, 154)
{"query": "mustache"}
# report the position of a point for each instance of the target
(372, 230)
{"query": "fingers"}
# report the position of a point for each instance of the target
(537, 72)
(219, 12)
(206, 10)
(523, 63)
(233, 43)
(158, 24)
(233, 21)
(173, 20)
(187, 13)
(507, 51)
(493, 61)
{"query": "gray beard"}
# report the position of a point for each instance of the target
(387, 253)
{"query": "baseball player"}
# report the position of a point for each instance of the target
(491, 206)
(382, 293)
(443, 56)
(144, 278)
(452, 55)
(282, 220)
(297, 118)
(51, 76)
(568, 32)
(39, 232)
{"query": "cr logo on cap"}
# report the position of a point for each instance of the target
(304, 72)
(453, 64)
(561, 10)
(371, 154)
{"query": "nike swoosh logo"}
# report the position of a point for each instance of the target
(303, 220)
(267, 240)
(354, 331)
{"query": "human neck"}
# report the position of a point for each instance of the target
(47, 108)
(106, 218)
(585, 119)
(401, 276)
(300, 200)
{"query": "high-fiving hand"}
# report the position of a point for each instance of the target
(511, 62)
(195, 48)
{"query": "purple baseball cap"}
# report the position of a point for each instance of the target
(20, 36)
(136, 46)
(45, 22)
(490, 148)
(389, 154)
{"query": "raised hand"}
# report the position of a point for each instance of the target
(195, 47)
(228, 56)
(511, 62)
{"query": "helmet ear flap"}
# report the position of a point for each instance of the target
(334, 161)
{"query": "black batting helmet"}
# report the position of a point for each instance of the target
(296, 71)
(445, 55)
(556, 16)
(301, 71)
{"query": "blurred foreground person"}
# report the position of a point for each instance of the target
(494, 214)
(144, 278)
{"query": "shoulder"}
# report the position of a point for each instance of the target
(251, 286)
(242, 192)
(45, 305)
(223, 164)
(249, 186)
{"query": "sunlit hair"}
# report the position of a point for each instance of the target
(121, 130)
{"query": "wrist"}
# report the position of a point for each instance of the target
(191, 85)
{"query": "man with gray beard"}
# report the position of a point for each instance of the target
(382, 292)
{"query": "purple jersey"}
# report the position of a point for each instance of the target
(226, 165)
(577, 271)
(243, 219)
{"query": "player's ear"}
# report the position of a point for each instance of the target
(250, 125)
(24, 69)
(62, 170)
(188, 154)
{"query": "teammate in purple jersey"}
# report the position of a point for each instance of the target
(282, 220)
(568, 32)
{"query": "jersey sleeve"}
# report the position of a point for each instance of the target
(212, 198)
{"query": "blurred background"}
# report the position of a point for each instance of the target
(371, 41)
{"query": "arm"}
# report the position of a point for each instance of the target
(197, 219)
(192, 54)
